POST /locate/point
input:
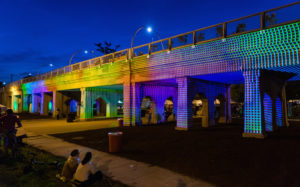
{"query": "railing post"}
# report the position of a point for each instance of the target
(170, 44)
(224, 30)
(194, 37)
(113, 58)
(149, 49)
(262, 20)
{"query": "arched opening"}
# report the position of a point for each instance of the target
(278, 112)
(99, 108)
(147, 111)
(120, 107)
(50, 107)
(200, 110)
(219, 104)
(169, 110)
(73, 106)
(268, 112)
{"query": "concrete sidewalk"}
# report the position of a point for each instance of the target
(126, 171)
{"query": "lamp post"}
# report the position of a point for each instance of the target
(149, 29)
(70, 61)
(131, 54)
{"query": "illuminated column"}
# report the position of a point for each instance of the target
(33, 103)
(20, 107)
(57, 102)
(253, 126)
(44, 104)
(25, 103)
(228, 105)
(284, 108)
(184, 105)
(86, 106)
(14, 103)
(131, 108)
(211, 110)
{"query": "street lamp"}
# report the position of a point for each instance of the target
(85, 51)
(149, 30)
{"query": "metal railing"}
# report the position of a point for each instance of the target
(271, 18)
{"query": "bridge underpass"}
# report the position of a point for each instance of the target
(263, 58)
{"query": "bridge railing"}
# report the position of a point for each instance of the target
(259, 21)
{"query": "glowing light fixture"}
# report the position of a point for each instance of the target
(149, 29)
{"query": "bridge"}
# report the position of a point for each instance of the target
(185, 78)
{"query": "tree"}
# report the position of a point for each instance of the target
(237, 93)
(241, 27)
(293, 90)
(183, 38)
(219, 30)
(1, 84)
(270, 19)
(106, 47)
(200, 37)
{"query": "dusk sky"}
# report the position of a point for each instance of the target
(36, 33)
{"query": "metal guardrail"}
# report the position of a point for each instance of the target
(267, 19)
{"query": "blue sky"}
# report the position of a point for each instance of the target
(35, 33)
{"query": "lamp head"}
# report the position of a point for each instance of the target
(149, 29)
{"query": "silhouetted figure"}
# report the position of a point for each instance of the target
(57, 113)
(8, 130)
(86, 173)
(70, 166)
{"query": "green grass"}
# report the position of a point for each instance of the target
(12, 169)
(12, 172)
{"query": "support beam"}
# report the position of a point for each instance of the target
(184, 107)
(86, 107)
(253, 125)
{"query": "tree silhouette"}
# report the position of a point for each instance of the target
(200, 37)
(1, 84)
(270, 19)
(219, 30)
(106, 47)
(241, 27)
(183, 38)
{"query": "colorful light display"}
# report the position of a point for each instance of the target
(222, 62)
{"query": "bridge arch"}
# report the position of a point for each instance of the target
(200, 109)
(148, 111)
(169, 110)
(99, 107)
(220, 107)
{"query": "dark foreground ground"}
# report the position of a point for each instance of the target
(218, 155)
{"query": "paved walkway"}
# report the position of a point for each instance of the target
(126, 171)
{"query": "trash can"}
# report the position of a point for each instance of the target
(115, 142)
(120, 122)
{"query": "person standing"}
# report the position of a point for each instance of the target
(8, 128)
(57, 113)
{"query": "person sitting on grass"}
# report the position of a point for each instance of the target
(8, 128)
(70, 166)
(86, 173)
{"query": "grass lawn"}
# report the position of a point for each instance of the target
(218, 154)
(12, 172)
(15, 172)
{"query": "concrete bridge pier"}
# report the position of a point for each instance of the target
(26, 102)
(36, 103)
(100, 102)
(190, 90)
(46, 105)
(265, 102)
(144, 103)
